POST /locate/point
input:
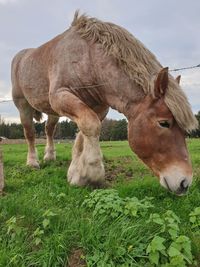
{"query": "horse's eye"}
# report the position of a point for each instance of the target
(164, 124)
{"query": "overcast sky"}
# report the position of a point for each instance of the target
(170, 29)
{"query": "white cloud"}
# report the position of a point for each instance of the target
(5, 90)
(191, 78)
(7, 109)
(11, 119)
(191, 84)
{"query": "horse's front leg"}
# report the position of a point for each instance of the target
(50, 153)
(87, 166)
(73, 171)
(90, 162)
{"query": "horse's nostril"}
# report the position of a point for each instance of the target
(184, 185)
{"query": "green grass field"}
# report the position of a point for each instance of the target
(45, 222)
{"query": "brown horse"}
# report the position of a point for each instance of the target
(87, 69)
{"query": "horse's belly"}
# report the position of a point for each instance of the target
(41, 103)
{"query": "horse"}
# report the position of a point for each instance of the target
(82, 72)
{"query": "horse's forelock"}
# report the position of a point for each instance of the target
(179, 105)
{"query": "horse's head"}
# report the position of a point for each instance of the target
(157, 139)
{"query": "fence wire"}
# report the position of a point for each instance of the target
(187, 68)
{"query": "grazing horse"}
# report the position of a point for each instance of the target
(87, 69)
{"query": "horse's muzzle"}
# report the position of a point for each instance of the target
(180, 187)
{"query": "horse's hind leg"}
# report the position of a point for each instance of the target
(86, 166)
(26, 116)
(50, 153)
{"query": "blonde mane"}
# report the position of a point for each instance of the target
(137, 62)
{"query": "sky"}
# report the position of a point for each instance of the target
(170, 29)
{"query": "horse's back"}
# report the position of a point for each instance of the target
(34, 68)
(65, 61)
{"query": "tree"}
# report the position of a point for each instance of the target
(113, 130)
(66, 129)
(196, 133)
(106, 129)
(39, 129)
(119, 131)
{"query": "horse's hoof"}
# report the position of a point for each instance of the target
(76, 180)
(49, 158)
(49, 155)
(34, 165)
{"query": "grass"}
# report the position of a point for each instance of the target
(42, 218)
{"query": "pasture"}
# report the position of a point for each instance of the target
(134, 222)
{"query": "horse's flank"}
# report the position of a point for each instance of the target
(137, 62)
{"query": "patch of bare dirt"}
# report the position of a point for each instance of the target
(114, 170)
(76, 259)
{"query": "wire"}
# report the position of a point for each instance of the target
(187, 68)
(3, 101)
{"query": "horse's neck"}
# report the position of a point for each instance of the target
(120, 92)
(123, 97)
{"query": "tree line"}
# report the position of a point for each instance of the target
(111, 130)
(64, 129)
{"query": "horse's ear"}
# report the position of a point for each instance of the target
(178, 79)
(161, 83)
